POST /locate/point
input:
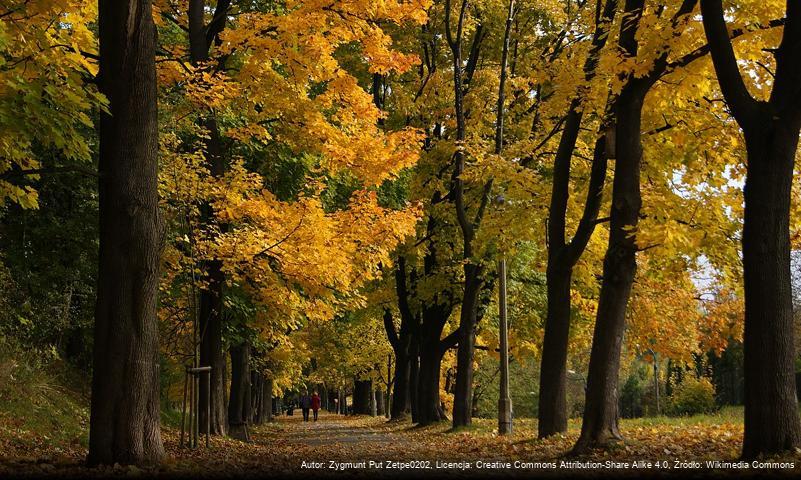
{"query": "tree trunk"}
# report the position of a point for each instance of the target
(463, 393)
(414, 379)
(429, 409)
(239, 401)
(373, 401)
(362, 390)
(211, 353)
(332, 405)
(771, 407)
(125, 409)
(267, 399)
(771, 135)
(600, 426)
(400, 390)
(552, 411)
(379, 402)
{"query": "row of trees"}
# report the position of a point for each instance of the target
(655, 53)
(293, 181)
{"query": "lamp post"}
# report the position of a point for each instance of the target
(504, 400)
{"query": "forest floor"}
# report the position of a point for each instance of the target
(336, 443)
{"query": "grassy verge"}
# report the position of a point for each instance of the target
(43, 407)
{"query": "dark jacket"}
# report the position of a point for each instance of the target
(305, 401)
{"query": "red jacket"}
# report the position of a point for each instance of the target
(315, 402)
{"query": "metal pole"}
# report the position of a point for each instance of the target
(504, 400)
(191, 430)
(183, 407)
(208, 407)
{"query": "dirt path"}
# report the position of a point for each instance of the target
(333, 429)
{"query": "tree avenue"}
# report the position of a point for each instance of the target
(224, 211)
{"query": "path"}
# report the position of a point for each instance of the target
(333, 429)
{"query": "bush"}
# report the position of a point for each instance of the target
(693, 396)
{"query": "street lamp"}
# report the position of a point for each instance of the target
(504, 400)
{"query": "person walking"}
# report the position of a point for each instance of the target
(305, 405)
(315, 404)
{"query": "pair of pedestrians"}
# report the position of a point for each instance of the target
(307, 402)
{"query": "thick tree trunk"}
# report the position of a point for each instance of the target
(125, 410)
(429, 409)
(400, 386)
(362, 391)
(463, 393)
(552, 411)
(771, 406)
(211, 353)
(600, 426)
(239, 401)
(414, 379)
(771, 134)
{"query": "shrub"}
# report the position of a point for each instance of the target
(692, 396)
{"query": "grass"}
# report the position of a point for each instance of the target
(725, 415)
(42, 404)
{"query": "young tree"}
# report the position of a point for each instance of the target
(771, 129)
(125, 410)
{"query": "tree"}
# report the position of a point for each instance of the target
(473, 270)
(771, 129)
(563, 254)
(125, 411)
(600, 422)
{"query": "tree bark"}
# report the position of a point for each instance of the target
(211, 352)
(771, 135)
(552, 408)
(380, 399)
(239, 400)
(463, 392)
(428, 403)
(401, 341)
(400, 404)
(414, 379)
(267, 400)
(125, 409)
(255, 397)
(362, 390)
